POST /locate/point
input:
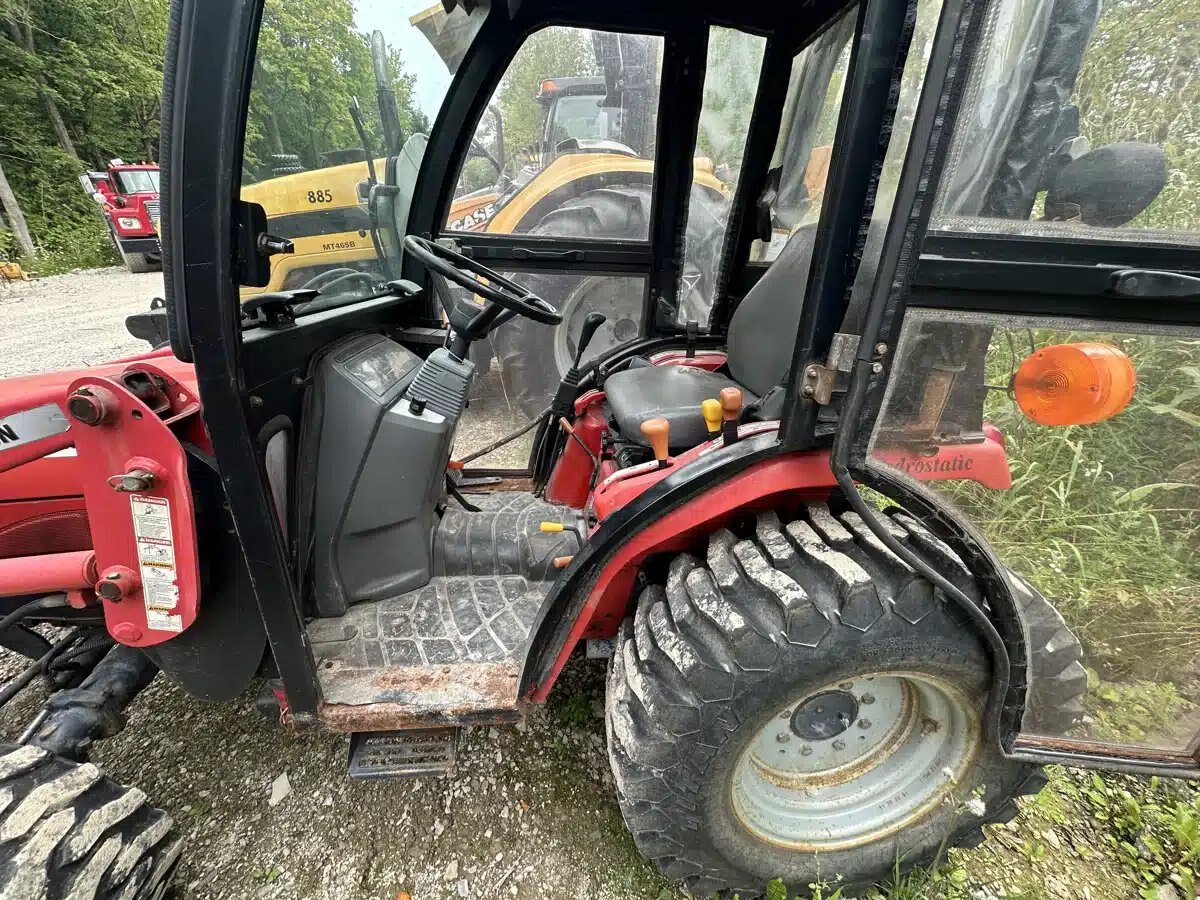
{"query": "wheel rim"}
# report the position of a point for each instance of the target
(605, 294)
(855, 761)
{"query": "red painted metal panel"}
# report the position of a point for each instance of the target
(145, 539)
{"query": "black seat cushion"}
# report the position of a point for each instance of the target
(673, 393)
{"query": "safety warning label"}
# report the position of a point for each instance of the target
(156, 560)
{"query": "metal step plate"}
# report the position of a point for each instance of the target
(403, 754)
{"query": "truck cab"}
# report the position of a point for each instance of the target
(127, 195)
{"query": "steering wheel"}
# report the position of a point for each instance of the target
(500, 292)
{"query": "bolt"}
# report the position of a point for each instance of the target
(839, 744)
(126, 632)
(864, 724)
(881, 348)
(867, 699)
(877, 368)
(256, 401)
(808, 390)
(783, 737)
(806, 750)
(812, 372)
(133, 481)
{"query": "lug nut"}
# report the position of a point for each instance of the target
(806, 750)
(866, 699)
(881, 348)
(839, 744)
(864, 724)
(783, 737)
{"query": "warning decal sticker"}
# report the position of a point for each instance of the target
(156, 560)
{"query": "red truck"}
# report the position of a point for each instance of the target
(127, 194)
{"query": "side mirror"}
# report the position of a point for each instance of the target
(1108, 186)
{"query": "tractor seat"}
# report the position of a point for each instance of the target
(671, 392)
(762, 335)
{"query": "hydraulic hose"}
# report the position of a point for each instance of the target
(50, 601)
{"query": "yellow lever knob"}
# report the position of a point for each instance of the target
(712, 415)
(552, 527)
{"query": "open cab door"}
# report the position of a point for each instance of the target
(1026, 382)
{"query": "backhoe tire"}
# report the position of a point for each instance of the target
(532, 356)
(68, 831)
(137, 263)
(801, 705)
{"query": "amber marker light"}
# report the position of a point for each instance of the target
(1074, 384)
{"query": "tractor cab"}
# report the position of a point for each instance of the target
(870, 463)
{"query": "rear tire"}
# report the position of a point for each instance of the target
(533, 357)
(67, 831)
(709, 664)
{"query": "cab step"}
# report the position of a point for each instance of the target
(403, 754)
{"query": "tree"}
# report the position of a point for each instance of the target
(550, 53)
(14, 216)
(20, 26)
(310, 64)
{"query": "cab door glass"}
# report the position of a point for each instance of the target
(1081, 127)
(805, 144)
(804, 147)
(1074, 447)
(305, 159)
(566, 144)
(730, 86)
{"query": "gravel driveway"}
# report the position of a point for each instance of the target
(529, 812)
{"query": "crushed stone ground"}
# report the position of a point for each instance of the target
(529, 812)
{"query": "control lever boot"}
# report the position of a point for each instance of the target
(658, 433)
(731, 409)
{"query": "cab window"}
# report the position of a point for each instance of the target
(316, 137)
(576, 111)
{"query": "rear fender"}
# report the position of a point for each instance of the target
(593, 594)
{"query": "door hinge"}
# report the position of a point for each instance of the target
(821, 382)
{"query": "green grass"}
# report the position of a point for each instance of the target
(1105, 519)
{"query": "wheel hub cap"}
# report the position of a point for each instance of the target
(825, 715)
(855, 761)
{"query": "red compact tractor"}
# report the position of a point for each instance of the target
(820, 667)
(127, 194)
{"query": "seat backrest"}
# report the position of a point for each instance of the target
(762, 333)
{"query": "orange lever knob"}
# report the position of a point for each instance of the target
(657, 432)
(731, 403)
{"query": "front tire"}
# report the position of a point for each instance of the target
(882, 685)
(137, 263)
(67, 831)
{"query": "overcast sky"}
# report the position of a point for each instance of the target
(391, 17)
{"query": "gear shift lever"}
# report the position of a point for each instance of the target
(590, 325)
(564, 397)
